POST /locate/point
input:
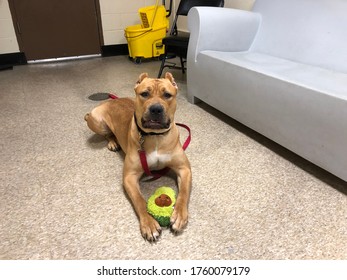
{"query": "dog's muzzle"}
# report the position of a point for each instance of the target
(155, 118)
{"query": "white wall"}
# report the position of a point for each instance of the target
(239, 4)
(116, 15)
(8, 39)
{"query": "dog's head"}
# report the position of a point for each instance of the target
(155, 103)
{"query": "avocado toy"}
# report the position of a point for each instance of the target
(161, 205)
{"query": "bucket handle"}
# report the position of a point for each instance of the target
(131, 37)
(155, 12)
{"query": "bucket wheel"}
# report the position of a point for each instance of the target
(138, 60)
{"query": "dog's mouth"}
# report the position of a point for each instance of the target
(155, 124)
(155, 118)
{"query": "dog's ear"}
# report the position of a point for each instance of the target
(141, 78)
(169, 76)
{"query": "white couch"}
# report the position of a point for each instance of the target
(280, 69)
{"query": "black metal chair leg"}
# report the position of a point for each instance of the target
(162, 66)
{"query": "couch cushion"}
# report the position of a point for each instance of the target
(315, 78)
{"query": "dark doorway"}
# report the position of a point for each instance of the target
(57, 28)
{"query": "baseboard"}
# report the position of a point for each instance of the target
(113, 50)
(8, 60)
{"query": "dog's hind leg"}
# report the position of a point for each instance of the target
(97, 124)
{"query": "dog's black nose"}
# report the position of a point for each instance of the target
(156, 110)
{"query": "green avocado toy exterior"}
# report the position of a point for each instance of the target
(162, 213)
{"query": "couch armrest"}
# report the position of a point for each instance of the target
(221, 29)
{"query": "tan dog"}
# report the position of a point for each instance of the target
(150, 117)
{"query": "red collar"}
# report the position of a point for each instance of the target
(157, 174)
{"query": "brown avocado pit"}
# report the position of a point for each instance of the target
(163, 200)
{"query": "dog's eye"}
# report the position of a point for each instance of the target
(144, 94)
(167, 95)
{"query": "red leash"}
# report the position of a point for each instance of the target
(112, 96)
(189, 138)
(157, 174)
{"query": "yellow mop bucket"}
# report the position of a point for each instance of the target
(153, 16)
(145, 39)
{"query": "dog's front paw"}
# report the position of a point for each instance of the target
(179, 219)
(150, 228)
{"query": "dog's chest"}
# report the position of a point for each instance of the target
(157, 160)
